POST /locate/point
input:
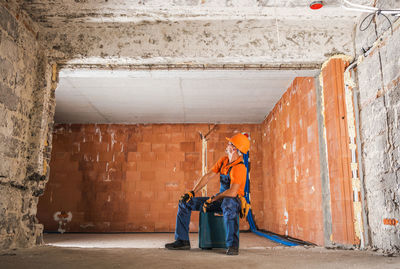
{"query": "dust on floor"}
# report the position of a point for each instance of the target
(253, 254)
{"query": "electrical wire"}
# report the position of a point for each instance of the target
(372, 16)
(374, 12)
(391, 26)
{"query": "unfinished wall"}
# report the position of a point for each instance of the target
(379, 103)
(338, 153)
(129, 178)
(292, 185)
(26, 114)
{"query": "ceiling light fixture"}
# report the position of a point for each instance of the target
(316, 4)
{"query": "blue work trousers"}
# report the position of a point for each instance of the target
(229, 207)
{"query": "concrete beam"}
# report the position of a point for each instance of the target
(265, 41)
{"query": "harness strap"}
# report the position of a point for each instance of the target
(230, 168)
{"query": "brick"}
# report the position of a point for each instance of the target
(148, 175)
(191, 136)
(117, 147)
(162, 196)
(177, 175)
(131, 147)
(187, 166)
(177, 137)
(133, 175)
(106, 156)
(162, 138)
(172, 186)
(162, 156)
(148, 137)
(145, 166)
(176, 156)
(166, 215)
(192, 175)
(129, 166)
(161, 226)
(158, 147)
(157, 165)
(134, 156)
(187, 146)
(148, 156)
(173, 147)
(163, 175)
(192, 156)
(119, 157)
(144, 147)
(87, 147)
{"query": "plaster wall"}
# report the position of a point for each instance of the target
(26, 115)
(379, 104)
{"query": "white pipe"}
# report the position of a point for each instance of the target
(204, 163)
(357, 9)
(362, 8)
(372, 11)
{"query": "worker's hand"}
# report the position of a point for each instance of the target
(245, 207)
(207, 204)
(187, 197)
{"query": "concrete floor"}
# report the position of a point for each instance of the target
(146, 251)
(141, 240)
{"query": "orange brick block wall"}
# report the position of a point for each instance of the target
(339, 156)
(129, 178)
(291, 170)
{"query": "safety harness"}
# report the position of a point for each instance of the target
(225, 183)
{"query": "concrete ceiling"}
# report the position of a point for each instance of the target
(211, 96)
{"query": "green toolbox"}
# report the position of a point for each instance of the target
(212, 231)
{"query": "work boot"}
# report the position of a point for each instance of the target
(178, 245)
(232, 251)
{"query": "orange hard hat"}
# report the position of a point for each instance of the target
(241, 142)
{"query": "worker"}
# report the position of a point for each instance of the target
(232, 173)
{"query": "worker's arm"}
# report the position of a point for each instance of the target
(231, 192)
(203, 181)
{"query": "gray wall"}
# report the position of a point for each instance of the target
(26, 109)
(379, 103)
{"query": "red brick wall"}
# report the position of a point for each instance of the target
(339, 157)
(129, 178)
(292, 185)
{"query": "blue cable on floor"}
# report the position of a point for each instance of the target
(250, 220)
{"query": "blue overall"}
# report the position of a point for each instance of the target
(229, 206)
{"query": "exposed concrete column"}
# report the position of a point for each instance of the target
(323, 157)
(378, 72)
(26, 116)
